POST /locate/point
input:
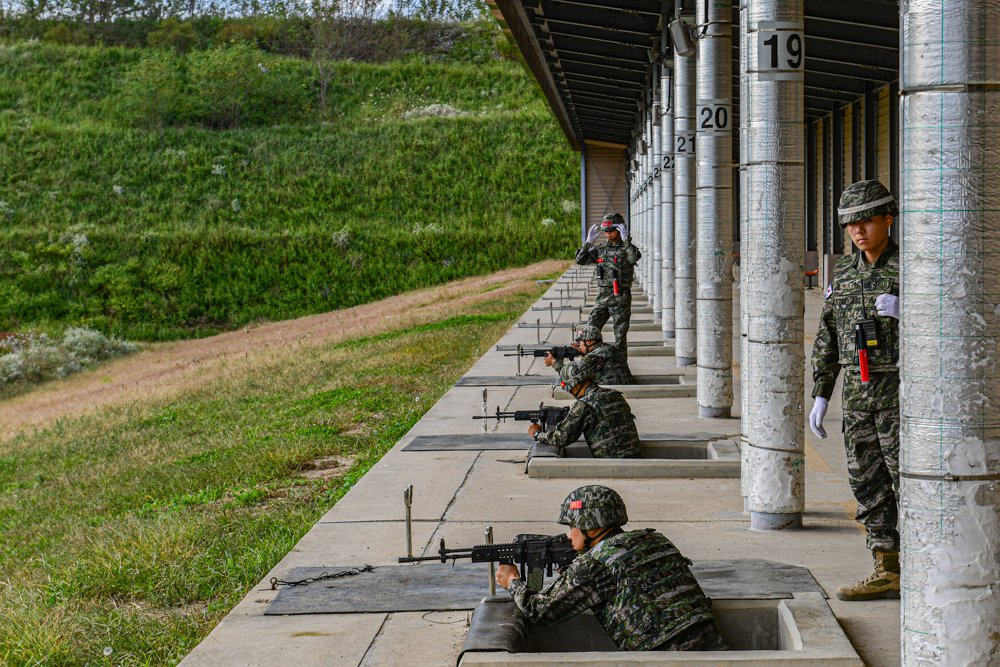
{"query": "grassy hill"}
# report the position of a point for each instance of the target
(125, 208)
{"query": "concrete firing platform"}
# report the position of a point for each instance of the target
(459, 493)
(660, 459)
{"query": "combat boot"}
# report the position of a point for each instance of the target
(882, 584)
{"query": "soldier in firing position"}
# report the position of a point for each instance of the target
(862, 311)
(639, 586)
(600, 414)
(615, 260)
(607, 361)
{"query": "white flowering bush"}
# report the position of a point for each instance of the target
(28, 358)
(548, 222)
(569, 206)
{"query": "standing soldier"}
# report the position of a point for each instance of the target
(638, 584)
(859, 330)
(607, 361)
(615, 260)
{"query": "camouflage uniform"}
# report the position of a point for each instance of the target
(613, 260)
(607, 363)
(639, 586)
(871, 411)
(603, 417)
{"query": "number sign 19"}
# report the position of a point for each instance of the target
(781, 52)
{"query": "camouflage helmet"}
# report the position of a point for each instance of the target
(588, 332)
(865, 199)
(610, 220)
(592, 507)
(573, 374)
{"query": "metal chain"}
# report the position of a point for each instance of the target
(326, 576)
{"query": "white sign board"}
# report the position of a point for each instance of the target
(781, 52)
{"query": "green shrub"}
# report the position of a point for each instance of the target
(173, 34)
(223, 88)
(33, 358)
(62, 34)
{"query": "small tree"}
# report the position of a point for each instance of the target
(173, 34)
(339, 29)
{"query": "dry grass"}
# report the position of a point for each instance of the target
(166, 370)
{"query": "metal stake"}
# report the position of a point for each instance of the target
(486, 421)
(408, 501)
(552, 317)
(493, 567)
(518, 360)
(538, 329)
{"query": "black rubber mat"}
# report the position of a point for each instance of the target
(472, 443)
(441, 587)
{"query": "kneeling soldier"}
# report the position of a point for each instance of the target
(639, 586)
(607, 361)
(600, 414)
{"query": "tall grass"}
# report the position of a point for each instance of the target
(140, 528)
(181, 230)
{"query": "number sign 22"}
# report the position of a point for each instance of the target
(780, 51)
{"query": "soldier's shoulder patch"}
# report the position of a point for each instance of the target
(829, 291)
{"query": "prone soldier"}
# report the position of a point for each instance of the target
(600, 414)
(638, 584)
(607, 361)
(859, 331)
(615, 260)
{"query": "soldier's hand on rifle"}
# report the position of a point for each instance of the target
(549, 359)
(533, 429)
(592, 234)
(504, 575)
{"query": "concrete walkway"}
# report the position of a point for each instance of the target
(458, 494)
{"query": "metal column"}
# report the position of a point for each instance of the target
(950, 380)
(715, 209)
(667, 200)
(772, 306)
(685, 193)
(656, 238)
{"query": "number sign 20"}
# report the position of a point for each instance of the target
(780, 51)
(714, 116)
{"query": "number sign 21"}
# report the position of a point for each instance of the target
(780, 51)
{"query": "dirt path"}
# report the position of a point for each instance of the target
(164, 370)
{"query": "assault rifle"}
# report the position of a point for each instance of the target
(545, 416)
(529, 551)
(559, 352)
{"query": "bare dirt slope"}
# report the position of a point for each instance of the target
(164, 370)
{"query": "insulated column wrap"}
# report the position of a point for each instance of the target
(950, 331)
(684, 211)
(667, 204)
(714, 209)
(746, 474)
(656, 296)
(771, 290)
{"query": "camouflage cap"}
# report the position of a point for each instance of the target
(587, 332)
(575, 373)
(592, 507)
(863, 200)
(612, 219)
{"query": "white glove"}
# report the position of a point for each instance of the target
(887, 305)
(816, 417)
(592, 234)
(621, 230)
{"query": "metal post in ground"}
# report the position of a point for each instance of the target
(715, 208)
(772, 123)
(685, 321)
(949, 367)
